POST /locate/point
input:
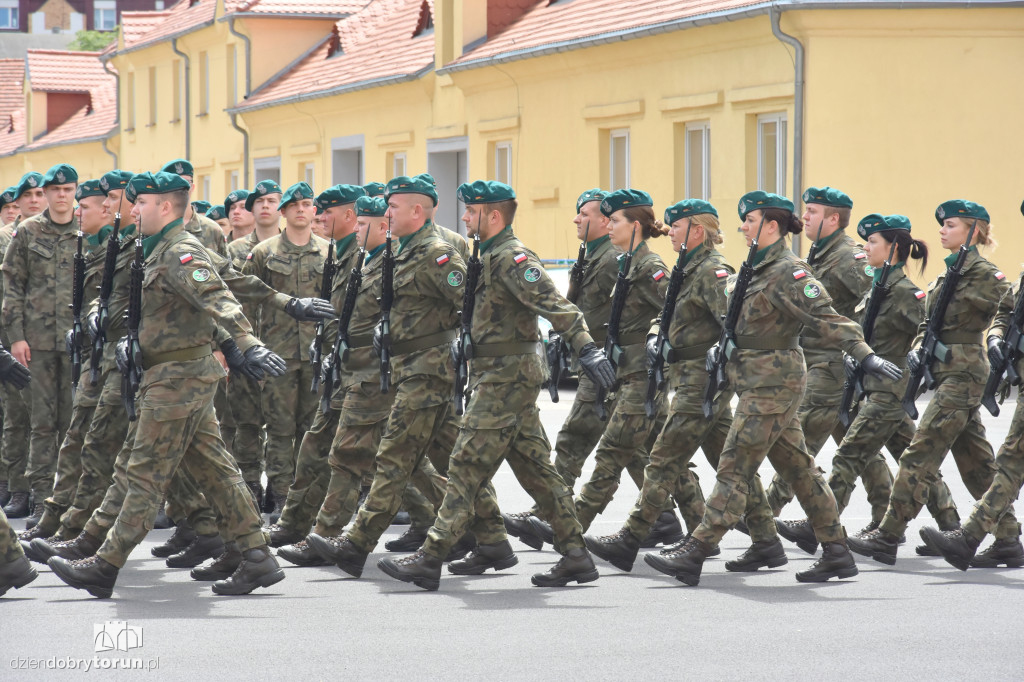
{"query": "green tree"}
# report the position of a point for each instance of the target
(92, 41)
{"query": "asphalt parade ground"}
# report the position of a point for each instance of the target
(918, 620)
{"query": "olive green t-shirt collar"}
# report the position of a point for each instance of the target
(593, 245)
(99, 237)
(150, 242)
(373, 252)
(402, 241)
(691, 253)
(488, 243)
(951, 258)
(876, 275)
(342, 244)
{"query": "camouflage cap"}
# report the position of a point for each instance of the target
(30, 180)
(374, 189)
(154, 183)
(115, 179)
(201, 206)
(179, 167)
(7, 196)
(757, 200)
(262, 189)
(61, 174)
(485, 192)
(595, 194)
(403, 184)
(877, 222)
(238, 195)
(89, 188)
(339, 195)
(371, 206)
(299, 190)
(827, 196)
(687, 208)
(217, 213)
(960, 208)
(625, 198)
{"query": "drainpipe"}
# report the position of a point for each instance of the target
(117, 107)
(107, 150)
(798, 112)
(248, 89)
(188, 97)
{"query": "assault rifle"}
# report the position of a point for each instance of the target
(326, 284)
(558, 352)
(339, 352)
(1011, 347)
(462, 351)
(106, 287)
(387, 299)
(612, 349)
(656, 371)
(131, 376)
(77, 294)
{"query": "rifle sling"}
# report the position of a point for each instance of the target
(423, 342)
(767, 342)
(150, 360)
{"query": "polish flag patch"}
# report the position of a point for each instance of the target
(249, 257)
(919, 295)
(721, 273)
(1000, 275)
(442, 259)
(799, 274)
(519, 257)
(659, 275)
(186, 258)
(859, 256)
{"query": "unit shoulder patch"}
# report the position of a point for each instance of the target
(531, 274)
(456, 278)
(812, 290)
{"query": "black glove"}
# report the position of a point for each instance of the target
(552, 350)
(310, 309)
(92, 325)
(312, 350)
(652, 350)
(850, 367)
(882, 369)
(233, 356)
(121, 354)
(12, 371)
(69, 345)
(914, 359)
(711, 358)
(995, 351)
(597, 367)
(378, 341)
(260, 361)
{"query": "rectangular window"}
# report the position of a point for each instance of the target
(347, 160)
(503, 162)
(152, 95)
(9, 14)
(309, 174)
(130, 97)
(771, 153)
(158, 5)
(231, 181)
(232, 76)
(268, 168)
(698, 160)
(618, 159)
(204, 188)
(204, 83)
(398, 164)
(104, 15)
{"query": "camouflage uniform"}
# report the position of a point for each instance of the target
(767, 372)
(694, 328)
(16, 403)
(288, 404)
(502, 420)
(10, 548)
(37, 279)
(952, 422)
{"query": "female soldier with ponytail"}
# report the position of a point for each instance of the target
(767, 372)
(952, 422)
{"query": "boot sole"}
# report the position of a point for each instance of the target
(404, 546)
(328, 553)
(497, 565)
(618, 562)
(687, 578)
(580, 578)
(20, 581)
(33, 554)
(303, 562)
(805, 544)
(97, 591)
(774, 562)
(211, 577)
(880, 557)
(524, 536)
(838, 573)
(265, 580)
(1009, 563)
(429, 584)
(193, 561)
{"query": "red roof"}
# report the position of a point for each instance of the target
(376, 43)
(92, 121)
(336, 8)
(177, 19)
(135, 25)
(11, 140)
(65, 71)
(12, 81)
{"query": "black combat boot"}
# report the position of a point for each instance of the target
(741, 526)
(83, 546)
(518, 526)
(1001, 552)
(35, 555)
(542, 529)
(836, 562)
(269, 501)
(181, 538)
(575, 564)
(420, 569)
(282, 535)
(203, 547)
(37, 531)
(619, 550)
(259, 568)
(256, 489)
(461, 548)
(957, 547)
(17, 573)
(17, 506)
(162, 520)
(92, 574)
(340, 551)
(684, 564)
(497, 556)
(402, 518)
(220, 568)
(301, 554)
(665, 531)
(877, 544)
(36, 515)
(409, 541)
(5, 494)
(762, 553)
(668, 549)
(799, 532)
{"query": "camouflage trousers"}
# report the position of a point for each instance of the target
(766, 425)
(580, 433)
(225, 415)
(669, 474)
(312, 473)
(421, 512)
(16, 435)
(289, 408)
(51, 414)
(502, 423)
(989, 511)
(625, 444)
(950, 423)
(819, 419)
(10, 547)
(177, 424)
(246, 406)
(879, 420)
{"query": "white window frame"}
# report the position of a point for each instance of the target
(613, 135)
(204, 83)
(267, 168)
(399, 164)
(354, 144)
(507, 170)
(309, 174)
(205, 188)
(12, 13)
(104, 9)
(779, 119)
(704, 127)
(232, 182)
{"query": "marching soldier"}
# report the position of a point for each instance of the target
(202, 228)
(30, 197)
(15, 570)
(8, 207)
(219, 216)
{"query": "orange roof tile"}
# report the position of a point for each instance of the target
(135, 25)
(12, 81)
(90, 122)
(562, 24)
(64, 70)
(175, 20)
(377, 43)
(12, 132)
(335, 8)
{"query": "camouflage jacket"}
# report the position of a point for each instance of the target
(1003, 319)
(208, 233)
(37, 272)
(184, 300)
(648, 281)
(362, 363)
(982, 294)
(513, 290)
(344, 265)
(240, 248)
(841, 268)
(697, 322)
(898, 318)
(460, 243)
(117, 305)
(595, 291)
(293, 270)
(6, 232)
(784, 297)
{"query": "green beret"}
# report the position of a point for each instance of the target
(595, 194)
(960, 208)
(89, 188)
(239, 195)
(299, 190)
(30, 180)
(374, 189)
(403, 184)
(339, 195)
(115, 179)
(262, 189)
(201, 206)
(625, 198)
(754, 201)
(687, 208)
(179, 167)
(827, 196)
(216, 213)
(61, 174)
(879, 223)
(371, 206)
(155, 183)
(7, 197)
(427, 177)
(484, 192)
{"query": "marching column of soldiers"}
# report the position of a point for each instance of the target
(161, 357)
